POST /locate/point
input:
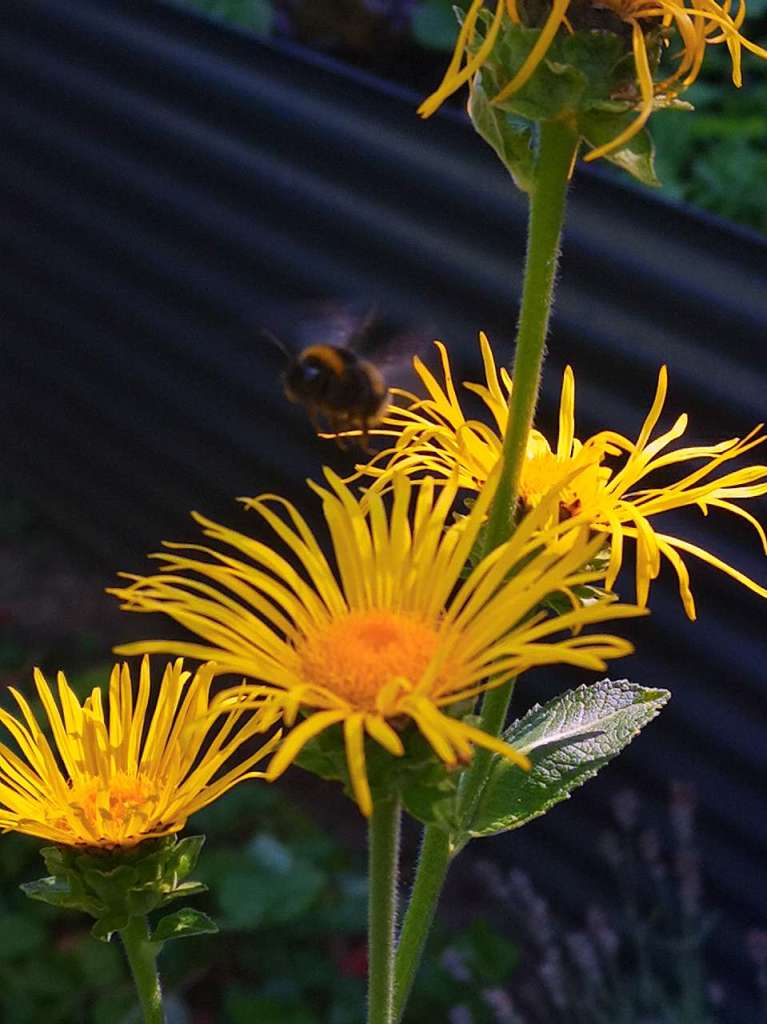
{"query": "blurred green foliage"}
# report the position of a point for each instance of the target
(256, 15)
(716, 156)
(291, 904)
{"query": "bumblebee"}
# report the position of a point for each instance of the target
(333, 383)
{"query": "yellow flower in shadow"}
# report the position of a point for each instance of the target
(697, 24)
(432, 435)
(114, 780)
(395, 631)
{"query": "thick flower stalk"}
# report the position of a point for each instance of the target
(114, 777)
(685, 27)
(611, 490)
(395, 634)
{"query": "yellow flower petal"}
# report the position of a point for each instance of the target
(602, 484)
(410, 631)
(120, 787)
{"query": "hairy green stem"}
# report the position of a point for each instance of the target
(433, 862)
(556, 151)
(382, 909)
(557, 147)
(142, 957)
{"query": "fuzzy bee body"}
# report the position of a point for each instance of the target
(333, 383)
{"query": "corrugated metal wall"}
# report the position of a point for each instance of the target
(168, 183)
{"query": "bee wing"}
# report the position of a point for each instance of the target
(392, 346)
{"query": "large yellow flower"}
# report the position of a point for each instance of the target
(127, 776)
(432, 435)
(393, 633)
(698, 24)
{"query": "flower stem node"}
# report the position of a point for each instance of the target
(115, 886)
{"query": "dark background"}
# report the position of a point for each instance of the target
(170, 187)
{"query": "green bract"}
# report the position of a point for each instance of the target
(116, 886)
(587, 79)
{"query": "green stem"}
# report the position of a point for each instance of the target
(382, 908)
(142, 957)
(433, 862)
(495, 707)
(558, 144)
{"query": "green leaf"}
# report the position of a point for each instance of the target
(637, 156)
(58, 893)
(511, 137)
(182, 892)
(53, 858)
(568, 740)
(183, 857)
(184, 924)
(430, 795)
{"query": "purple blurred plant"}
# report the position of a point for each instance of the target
(641, 961)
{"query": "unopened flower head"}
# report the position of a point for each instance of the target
(113, 779)
(609, 490)
(393, 633)
(685, 28)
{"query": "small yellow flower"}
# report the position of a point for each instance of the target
(114, 780)
(394, 632)
(698, 24)
(431, 435)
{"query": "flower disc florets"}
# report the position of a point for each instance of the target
(116, 776)
(358, 655)
(605, 482)
(396, 631)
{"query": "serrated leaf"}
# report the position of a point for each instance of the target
(568, 740)
(54, 891)
(637, 156)
(184, 924)
(53, 858)
(511, 138)
(185, 854)
(182, 892)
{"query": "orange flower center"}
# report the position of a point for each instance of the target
(357, 655)
(108, 809)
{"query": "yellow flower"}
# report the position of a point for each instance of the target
(127, 776)
(433, 436)
(394, 633)
(698, 24)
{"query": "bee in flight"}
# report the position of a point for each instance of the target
(343, 392)
(336, 385)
